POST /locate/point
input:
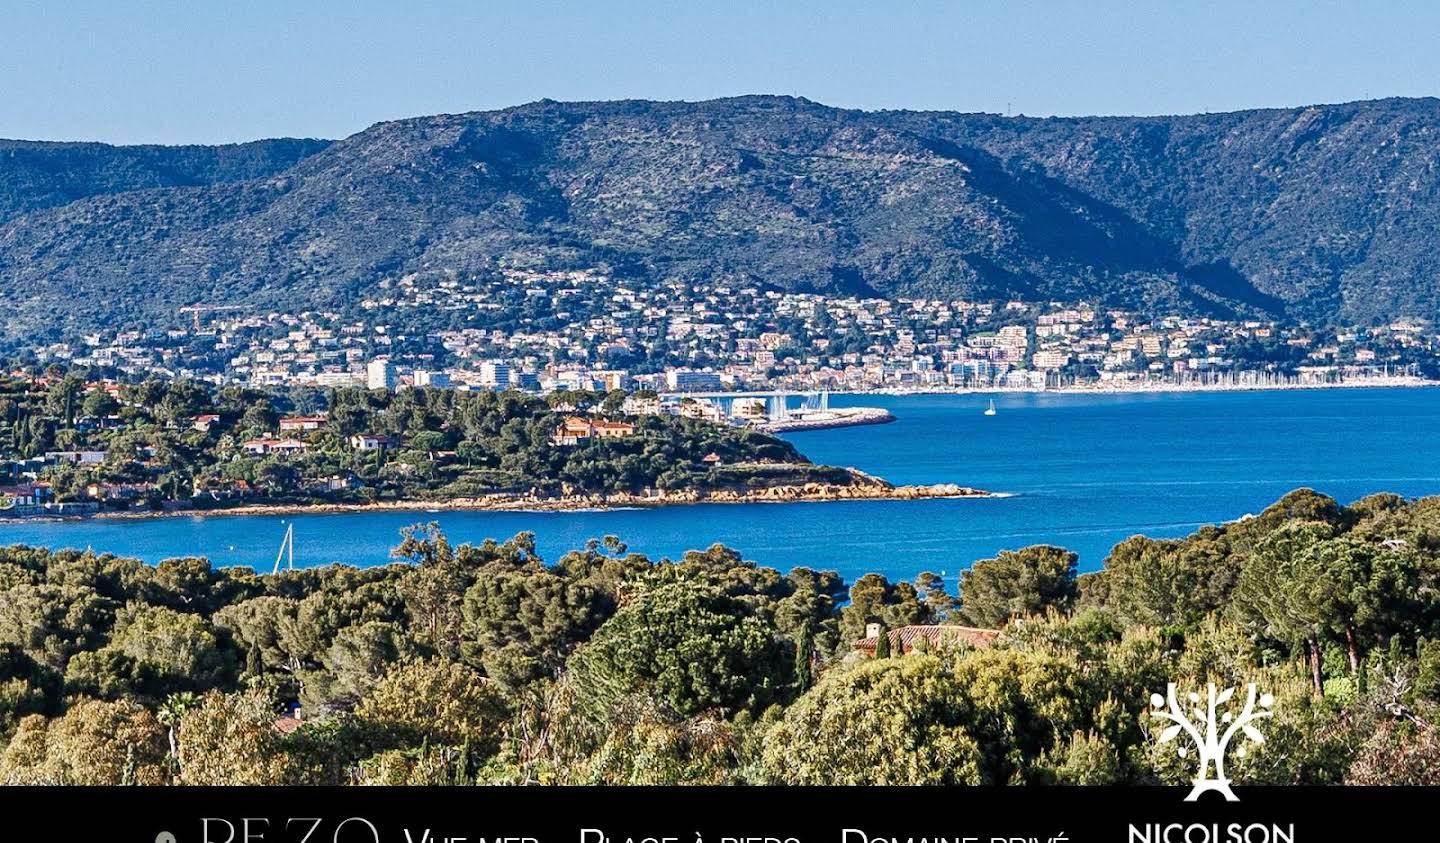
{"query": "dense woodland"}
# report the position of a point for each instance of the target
(487, 664)
(442, 444)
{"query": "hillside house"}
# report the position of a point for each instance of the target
(25, 499)
(936, 637)
(344, 482)
(76, 457)
(297, 424)
(576, 429)
(274, 447)
(118, 491)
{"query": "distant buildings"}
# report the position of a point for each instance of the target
(494, 375)
(606, 332)
(437, 380)
(380, 374)
(688, 380)
(337, 379)
(1051, 359)
(636, 405)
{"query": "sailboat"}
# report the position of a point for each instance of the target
(286, 544)
(990, 411)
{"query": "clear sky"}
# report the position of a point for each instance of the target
(205, 71)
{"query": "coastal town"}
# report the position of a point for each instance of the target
(548, 331)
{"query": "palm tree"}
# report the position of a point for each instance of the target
(171, 712)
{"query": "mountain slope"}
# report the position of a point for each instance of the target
(1321, 213)
(1331, 207)
(36, 175)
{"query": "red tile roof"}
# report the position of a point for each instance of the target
(938, 635)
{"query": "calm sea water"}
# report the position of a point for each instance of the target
(1083, 472)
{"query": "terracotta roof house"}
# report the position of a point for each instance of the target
(576, 429)
(612, 429)
(936, 636)
(293, 423)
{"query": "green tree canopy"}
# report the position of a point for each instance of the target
(1018, 583)
(693, 649)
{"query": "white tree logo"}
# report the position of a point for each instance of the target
(1212, 743)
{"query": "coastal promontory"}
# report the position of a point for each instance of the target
(96, 447)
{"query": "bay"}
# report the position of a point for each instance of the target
(1080, 471)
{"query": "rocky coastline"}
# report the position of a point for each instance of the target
(865, 487)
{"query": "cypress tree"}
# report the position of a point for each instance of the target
(804, 645)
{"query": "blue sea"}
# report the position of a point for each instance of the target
(1080, 471)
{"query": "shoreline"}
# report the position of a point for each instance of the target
(1142, 389)
(809, 493)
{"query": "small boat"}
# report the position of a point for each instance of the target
(990, 411)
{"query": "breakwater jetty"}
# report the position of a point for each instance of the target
(823, 419)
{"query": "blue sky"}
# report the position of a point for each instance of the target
(166, 71)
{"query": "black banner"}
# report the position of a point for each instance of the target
(707, 815)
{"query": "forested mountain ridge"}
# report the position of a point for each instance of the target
(1320, 213)
(38, 175)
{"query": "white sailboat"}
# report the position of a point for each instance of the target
(286, 544)
(990, 411)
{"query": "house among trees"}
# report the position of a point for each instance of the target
(276, 447)
(302, 423)
(576, 429)
(76, 457)
(222, 489)
(27, 499)
(341, 482)
(370, 441)
(205, 422)
(935, 637)
(118, 491)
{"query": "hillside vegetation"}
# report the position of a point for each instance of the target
(1322, 212)
(486, 664)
